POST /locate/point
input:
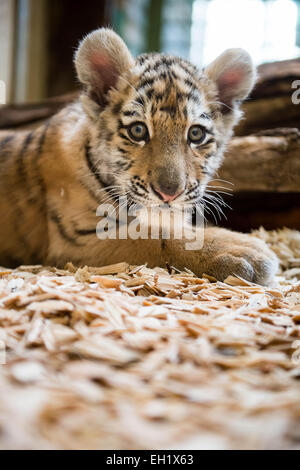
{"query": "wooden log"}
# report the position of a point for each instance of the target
(22, 115)
(270, 104)
(275, 78)
(265, 172)
(268, 113)
(269, 161)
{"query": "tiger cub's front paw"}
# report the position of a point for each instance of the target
(254, 262)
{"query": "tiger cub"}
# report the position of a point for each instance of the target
(152, 129)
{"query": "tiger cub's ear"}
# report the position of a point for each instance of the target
(235, 75)
(100, 60)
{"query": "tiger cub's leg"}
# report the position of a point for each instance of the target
(227, 253)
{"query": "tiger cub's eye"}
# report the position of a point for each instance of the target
(196, 134)
(138, 131)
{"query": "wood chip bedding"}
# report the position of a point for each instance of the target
(126, 357)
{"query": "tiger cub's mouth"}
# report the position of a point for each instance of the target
(151, 197)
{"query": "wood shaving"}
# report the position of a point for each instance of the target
(127, 357)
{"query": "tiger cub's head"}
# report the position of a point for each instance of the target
(158, 125)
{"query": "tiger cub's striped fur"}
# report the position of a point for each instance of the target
(153, 129)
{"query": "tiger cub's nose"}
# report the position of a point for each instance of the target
(169, 184)
(167, 197)
(167, 192)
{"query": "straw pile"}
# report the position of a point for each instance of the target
(127, 357)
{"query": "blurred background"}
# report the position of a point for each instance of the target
(38, 37)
